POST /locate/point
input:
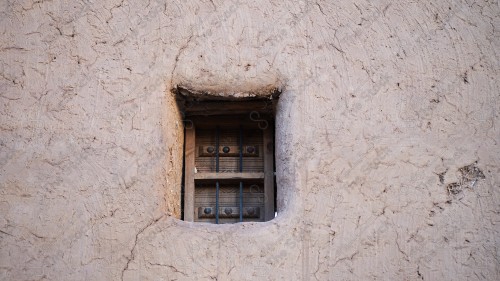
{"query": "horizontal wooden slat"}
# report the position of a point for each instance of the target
(227, 176)
(228, 108)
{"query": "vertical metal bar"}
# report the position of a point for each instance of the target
(241, 149)
(217, 202)
(241, 170)
(217, 134)
(241, 201)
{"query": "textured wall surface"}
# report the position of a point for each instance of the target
(387, 136)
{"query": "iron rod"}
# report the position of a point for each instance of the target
(241, 201)
(217, 202)
(241, 170)
(241, 149)
(217, 133)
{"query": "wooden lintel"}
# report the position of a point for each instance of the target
(227, 108)
(227, 176)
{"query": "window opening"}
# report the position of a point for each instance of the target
(228, 160)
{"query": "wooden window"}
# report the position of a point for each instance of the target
(229, 161)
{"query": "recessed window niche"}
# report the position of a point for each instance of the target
(228, 166)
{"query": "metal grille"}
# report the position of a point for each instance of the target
(229, 138)
(229, 170)
(229, 150)
(228, 205)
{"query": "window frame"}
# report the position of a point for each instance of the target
(197, 112)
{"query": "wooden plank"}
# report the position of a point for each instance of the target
(228, 108)
(189, 175)
(265, 93)
(251, 121)
(233, 121)
(227, 176)
(268, 173)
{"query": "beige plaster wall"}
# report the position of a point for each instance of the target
(383, 102)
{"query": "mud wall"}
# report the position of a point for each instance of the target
(386, 138)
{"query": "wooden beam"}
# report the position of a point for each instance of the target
(268, 92)
(228, 108)
(189, 175)
(232, 121)
(268, 174)
(228, 176)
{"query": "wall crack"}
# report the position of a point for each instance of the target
(132, 255)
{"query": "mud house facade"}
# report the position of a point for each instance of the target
(385, 139)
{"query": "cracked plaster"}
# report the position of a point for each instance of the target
(383, 102)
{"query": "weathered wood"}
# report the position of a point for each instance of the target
(258, 175)
(233, 121)
(227, 176)
(265, 93)
(228, 108)
(269, 173)
(189, 175)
